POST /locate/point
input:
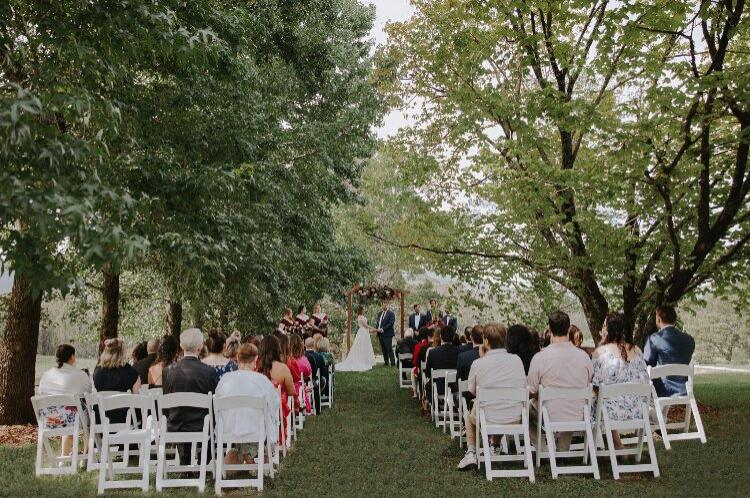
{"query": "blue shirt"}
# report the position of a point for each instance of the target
(669, 346)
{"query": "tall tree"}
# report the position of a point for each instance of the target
(597, 146)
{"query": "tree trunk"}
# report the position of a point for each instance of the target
(110, 305)
(173, 318)
(18, 354)
(223, 318)
(197, 316)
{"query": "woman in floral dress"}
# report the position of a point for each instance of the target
(617, 361)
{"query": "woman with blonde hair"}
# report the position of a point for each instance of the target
(113, 373)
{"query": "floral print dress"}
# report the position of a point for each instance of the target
(610, 368)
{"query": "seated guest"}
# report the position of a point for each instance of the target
(64, 379)
(496, 368)
(423, 336)
(271, 365)
(114, 374)
(192, 376)
(216, 344)
(617, 361)
(444, 356)
(169, 348)
(241, 422)
(318, 364)
(297, 352)
(522, 343)
(575, 336)
(324, 350)
(406, 346)
(141, 366)
(286, 357)
(466, 358)
(668, 345)
(466, 341)
(139, 352)
(560, 364)
(233, 343)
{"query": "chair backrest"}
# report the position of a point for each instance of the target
(625, 389)
(239, 401)
(123, 400)
(488, 395)
(43, 401)
(405, 356)
(463, 386)
(194, 400)
(673, 369)
(568, 393)
(444, 373)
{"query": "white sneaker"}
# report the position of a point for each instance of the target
(468, 461)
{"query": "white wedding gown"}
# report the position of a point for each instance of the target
(361, 357)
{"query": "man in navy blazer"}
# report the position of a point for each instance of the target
(668, 345)
(384, 324)
(416, 319)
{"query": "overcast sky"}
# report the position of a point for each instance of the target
(389, 10)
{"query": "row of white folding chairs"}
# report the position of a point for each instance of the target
(108, 437)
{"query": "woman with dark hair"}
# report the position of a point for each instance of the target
(165, 356)
(286, 356)
(271, 365)
(522, 343)
(302, 318)
(64, 379)
(618, 361)
(140, 351)
(216, 344)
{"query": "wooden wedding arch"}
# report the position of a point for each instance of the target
(372, 292)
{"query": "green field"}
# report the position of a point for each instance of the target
(375, 442)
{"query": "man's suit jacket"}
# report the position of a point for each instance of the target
(428, 316)
(387, 325)
(415, 325)
(465, 347)
(192, 376)
(669, 345)
(442, 357)
(316, 362)
(464, 362)
(451, 321)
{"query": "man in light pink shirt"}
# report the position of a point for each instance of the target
(560, 364)
(496, 368)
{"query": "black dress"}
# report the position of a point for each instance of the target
(115, 379)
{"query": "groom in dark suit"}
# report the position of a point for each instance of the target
(385, 321)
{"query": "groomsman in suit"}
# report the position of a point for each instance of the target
(416, 319)
(385, 321)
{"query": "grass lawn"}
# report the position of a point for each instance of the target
(375, 442)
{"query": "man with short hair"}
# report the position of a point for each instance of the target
(442, 357)
(433, 315)
(466, 358)
(450, 320)
(468, 345)
(560, 364)
(497, 368)
(141, 366)
(668, 345)
(318, 364)
(416, 318)
(385, 321)
(190, 375)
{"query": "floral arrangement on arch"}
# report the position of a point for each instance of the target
(373, 291)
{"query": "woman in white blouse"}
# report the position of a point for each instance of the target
(65, 379)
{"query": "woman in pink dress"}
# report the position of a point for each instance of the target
(304, 367)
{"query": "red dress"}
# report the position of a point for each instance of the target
(415, 357)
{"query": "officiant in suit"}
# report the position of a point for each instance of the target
(385, 321)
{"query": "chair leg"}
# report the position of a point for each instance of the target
(591, 451)
(145, 462)
(640, 445)
(651, 449)
(527, 446)
(611, 448)
(103, 464)
(487, 454)
(660, 417)
(698, 420)
(551, 450)
(204, 462)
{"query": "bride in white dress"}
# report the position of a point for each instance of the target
(361, 357)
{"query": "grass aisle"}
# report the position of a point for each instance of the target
(375, 442)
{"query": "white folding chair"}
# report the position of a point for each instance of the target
(59, 464)
(326, 390)
(112, 435)
(309, 386)
(452, 411)
(640, 425)
(404, 374)
(587, 449)
(463, 412)
(663, 404)
(299, 418)
(163, 466)
(96, 429)
(484, 400)
(224, 437)
(423, 378)
(438, 400)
